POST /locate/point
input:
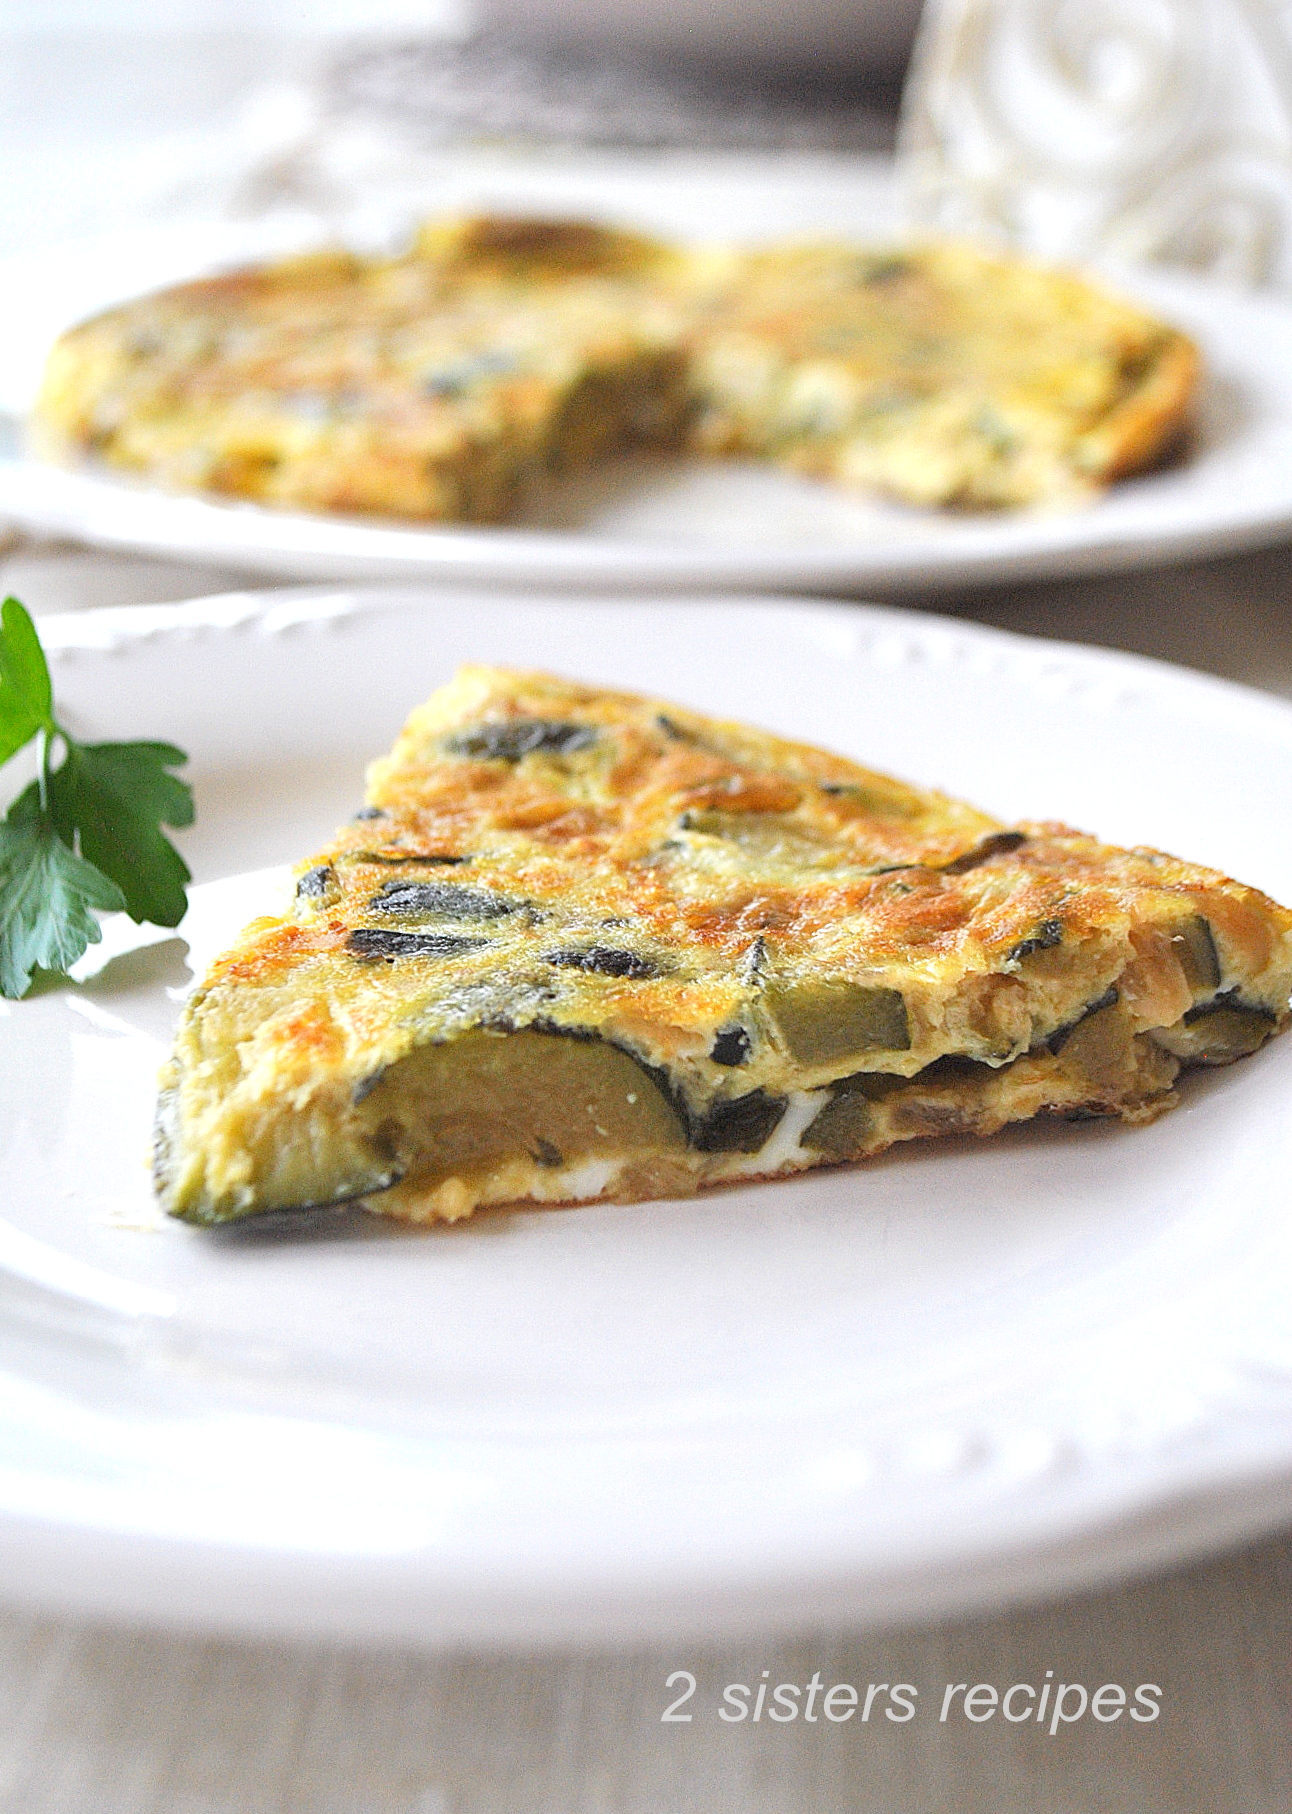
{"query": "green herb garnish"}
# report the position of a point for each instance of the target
(86, 835)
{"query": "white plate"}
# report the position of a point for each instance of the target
(965, 1371)
(667, 524)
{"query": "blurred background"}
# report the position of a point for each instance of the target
(144, 141)
(1137, 129)
(337, 111)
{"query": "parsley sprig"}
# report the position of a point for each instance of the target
(85, 837)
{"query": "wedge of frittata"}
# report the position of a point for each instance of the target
(581, 944)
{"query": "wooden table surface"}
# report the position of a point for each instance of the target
(104, 1721)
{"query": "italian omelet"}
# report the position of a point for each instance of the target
(450, 384)
(581, 944)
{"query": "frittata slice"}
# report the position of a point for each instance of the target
(939, 373)
(444, 385)
(582, 944)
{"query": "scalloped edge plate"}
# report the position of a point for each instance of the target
(965, 1373)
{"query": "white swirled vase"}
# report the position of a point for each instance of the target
(1126, 129)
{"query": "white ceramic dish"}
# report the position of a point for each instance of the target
(966, 1372)
(676, 525)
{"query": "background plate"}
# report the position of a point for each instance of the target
(963, 1371)
(652, 525)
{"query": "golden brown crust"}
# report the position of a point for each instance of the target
(1146, 424)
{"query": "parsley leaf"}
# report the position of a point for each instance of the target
(26, 696)
(117, 796)
(84, 837)
(47, 893)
